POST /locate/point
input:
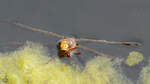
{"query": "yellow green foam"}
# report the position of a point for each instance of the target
(27, 65)
(145, 74)
(134, 58)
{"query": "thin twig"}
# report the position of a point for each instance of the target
(22, 43)
(61, 36)
(109, 42)
(95, 51)
(33, 29)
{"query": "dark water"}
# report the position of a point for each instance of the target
(118, 20)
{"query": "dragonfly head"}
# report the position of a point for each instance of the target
(64, 45)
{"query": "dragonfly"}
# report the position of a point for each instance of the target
(66, 45)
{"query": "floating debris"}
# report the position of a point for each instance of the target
(134, 58)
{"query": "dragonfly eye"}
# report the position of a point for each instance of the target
(71, 42)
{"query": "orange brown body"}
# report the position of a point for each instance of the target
(66, 46)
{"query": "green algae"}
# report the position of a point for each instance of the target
(134, 58)
(28, 65)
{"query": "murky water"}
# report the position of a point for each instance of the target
(119, 20)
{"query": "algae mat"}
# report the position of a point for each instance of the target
(27, 65)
